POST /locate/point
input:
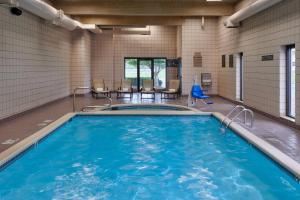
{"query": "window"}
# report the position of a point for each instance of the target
(160, 73)
(239, 77)
(131, 70)
(223, 61)
(231, 61)
(139, 69)
(144, 71)
(290, 81)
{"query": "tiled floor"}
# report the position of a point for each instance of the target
(283, 137)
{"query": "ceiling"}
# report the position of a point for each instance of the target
(142, 12)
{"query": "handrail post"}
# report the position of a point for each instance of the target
(251, 116)
(74, 96)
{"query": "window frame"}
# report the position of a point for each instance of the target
(223, 61)
(138, 67)
(241, 59)
(231, 62)
(289, 80)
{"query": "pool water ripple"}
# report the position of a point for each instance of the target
(134, 157)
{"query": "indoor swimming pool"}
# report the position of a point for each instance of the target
(145, 157)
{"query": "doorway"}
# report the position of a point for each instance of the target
(291, 81)
(240, 77)
(140, 69)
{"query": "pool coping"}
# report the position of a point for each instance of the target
(144, 112)
(187, 109)
(13, 151)
(278, 156)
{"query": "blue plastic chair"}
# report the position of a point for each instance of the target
(197, 93)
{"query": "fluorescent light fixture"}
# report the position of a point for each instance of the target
(214, 0)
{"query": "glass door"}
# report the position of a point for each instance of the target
(140, 69)
(131, 71)
(241, 77)
(291, 81)
(160, 73)
(144, 71)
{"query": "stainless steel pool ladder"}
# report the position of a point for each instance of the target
(86, 107)
(244, 111)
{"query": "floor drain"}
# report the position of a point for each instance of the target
(10, 141)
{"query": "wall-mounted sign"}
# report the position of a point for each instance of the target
(197, 59)
(267, 58)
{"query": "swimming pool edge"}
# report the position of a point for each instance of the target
(281, 158)
(17, 149)
(274, 153)
(13, 151)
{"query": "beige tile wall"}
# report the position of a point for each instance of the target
(34, 62)
(204, 40)
(102, 58)
(81, 60)
(259, 35)
(40, 62)
(109, 51)
(179, 41)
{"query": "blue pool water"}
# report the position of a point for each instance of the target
(145, 157)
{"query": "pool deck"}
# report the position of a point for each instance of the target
(283, 137)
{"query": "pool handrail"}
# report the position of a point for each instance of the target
(251, 115)
(93, 107)
(87, 88)
(231, 112)
(243, 110)
(74, 95)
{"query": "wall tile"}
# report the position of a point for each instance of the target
(34, 62)
(259, 35)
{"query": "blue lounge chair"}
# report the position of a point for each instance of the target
(197, 93)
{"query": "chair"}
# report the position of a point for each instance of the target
(197, 93)
(98, 87)
(173, 89)
(148, 89)
(125, 88)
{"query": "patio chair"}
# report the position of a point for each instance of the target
(98, 88)
(148, 88)
(125, 88)
(173, 90)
